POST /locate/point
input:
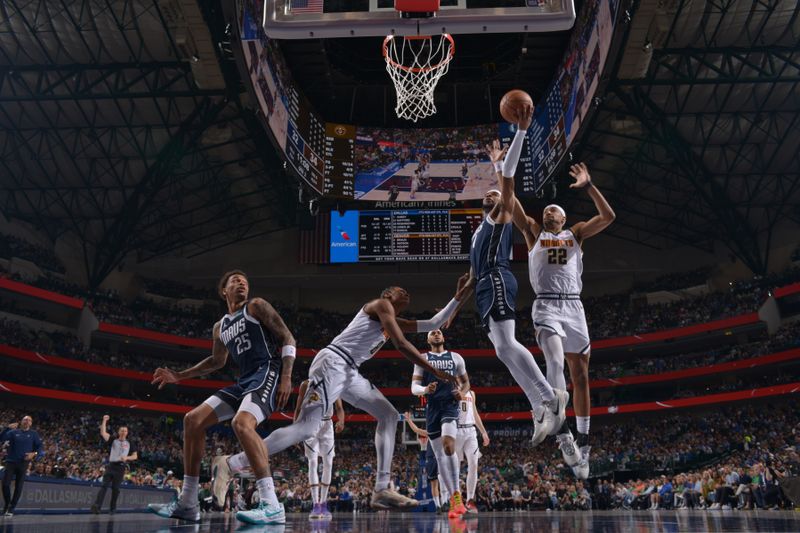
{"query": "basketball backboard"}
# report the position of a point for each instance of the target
(307, 19)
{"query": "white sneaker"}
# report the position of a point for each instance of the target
(560, 409)
(263, 515)
(175, 509)
(541, 424)
(389, 498)
(581, 470)
(221, 476)
(570, 452)
(714, 507)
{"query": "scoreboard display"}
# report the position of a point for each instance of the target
(405, 235)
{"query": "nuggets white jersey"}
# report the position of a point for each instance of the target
(466, 410)
(360, 340)
(555, 264)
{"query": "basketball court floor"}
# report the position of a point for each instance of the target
(383, 522)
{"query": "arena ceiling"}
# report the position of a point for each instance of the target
(122, 123)
(696, 137)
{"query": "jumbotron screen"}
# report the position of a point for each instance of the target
(407, 235)
(423, 164)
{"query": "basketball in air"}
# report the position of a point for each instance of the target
(512, 103)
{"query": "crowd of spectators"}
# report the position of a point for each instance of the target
(662, 458)
(378, 147)
(11, 246)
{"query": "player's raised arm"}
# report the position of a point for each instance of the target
(219, 355)
(440, 318)
(605, 215)
(466, 292)
(509, 168)
(385, 313)
(267, 315)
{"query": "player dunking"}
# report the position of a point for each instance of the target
(334, 374)
(555, 265)
(320, 445)
(441, 412)
(250, 333)
(496, 289)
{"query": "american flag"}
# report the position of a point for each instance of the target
(307, 6)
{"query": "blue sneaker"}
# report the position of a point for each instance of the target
(175, 509)
(263, 515)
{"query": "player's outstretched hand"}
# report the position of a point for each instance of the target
(441, 375)
(580, 173)
(284, 391)
(525, 117)
(462, 287)
(496, 152)
(163, 376)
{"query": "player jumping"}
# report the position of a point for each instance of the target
(555, 265)
(496, 289)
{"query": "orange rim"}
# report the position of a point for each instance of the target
(417, 70)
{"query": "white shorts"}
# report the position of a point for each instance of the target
(567, 319)
(330, 378)
(467, 444)
(321, 444)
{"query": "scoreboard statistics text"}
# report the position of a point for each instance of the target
(403, 235)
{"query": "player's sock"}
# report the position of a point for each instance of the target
(472, 478)
(266, 491)
(520, 362)
(553, 349)
(323, 495)
(583, 424)
(238, 463)
(436, 501)
(382, 481)
(189, 492)
(314, 494)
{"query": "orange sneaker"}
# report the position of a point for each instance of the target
(456, 506)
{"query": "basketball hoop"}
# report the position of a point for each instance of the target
(415, 64)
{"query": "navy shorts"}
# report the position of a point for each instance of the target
(431, 465)
(436, 414)
(261, 386)
(495, 296)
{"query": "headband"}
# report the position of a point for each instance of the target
(558, 208)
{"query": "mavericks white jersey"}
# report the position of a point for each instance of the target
(360, 340)
(555, 264)
(466, 410)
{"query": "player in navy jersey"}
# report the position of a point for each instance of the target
(250, 333)
(496, 288)
(441, 411)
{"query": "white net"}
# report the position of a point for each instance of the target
(415, 65)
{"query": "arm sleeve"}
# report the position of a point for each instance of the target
(461, 366)
(437, 320)
(514, 151)
(417, 389)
